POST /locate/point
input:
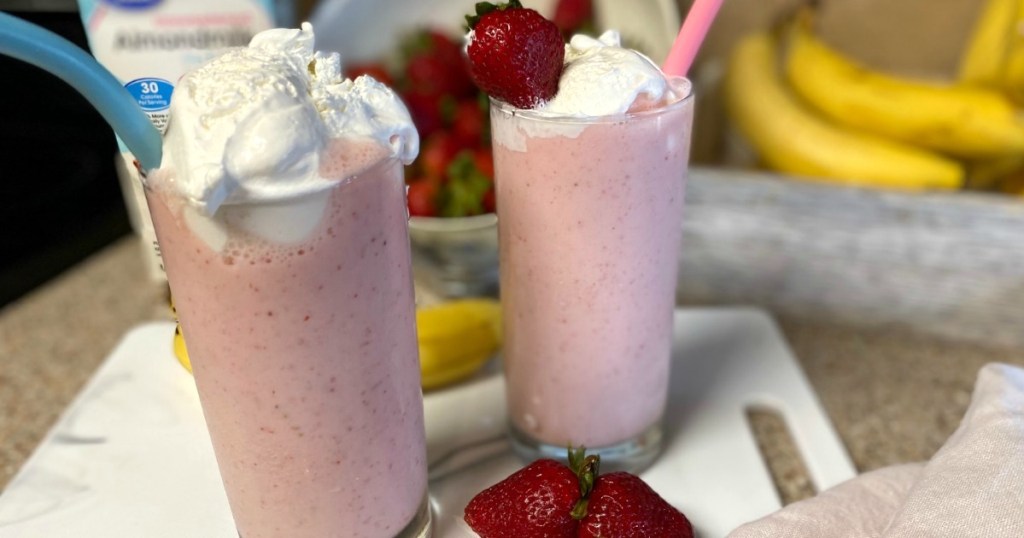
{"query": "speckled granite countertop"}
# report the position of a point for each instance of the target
(893, 395)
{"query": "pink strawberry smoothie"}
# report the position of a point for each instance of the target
(589, 220)
(305, 355)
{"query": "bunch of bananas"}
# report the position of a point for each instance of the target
(810, 111)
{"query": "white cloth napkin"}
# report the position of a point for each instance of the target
(972, 487)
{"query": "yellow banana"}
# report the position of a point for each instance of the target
(456, 339)
(982, 61)
(1013, 64)
(180, 351)
(962, 121)
(791, 139)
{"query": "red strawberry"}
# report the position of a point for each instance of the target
(573, 15)
(422, 197)
(535, 501)
(434, 65)
(515, 54)
(484, 161)
(438, 151)
(469, 123)
(490, 201)
(622, 505)
(465, 187)
(427, 111)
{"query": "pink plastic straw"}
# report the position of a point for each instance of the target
(691, 35)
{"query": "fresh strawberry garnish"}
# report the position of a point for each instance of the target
(573, 16)
(515, 54)
(422, 197)
(375, 70)
(537, 500)
(622, 504)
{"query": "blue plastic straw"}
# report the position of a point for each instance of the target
(45, 49)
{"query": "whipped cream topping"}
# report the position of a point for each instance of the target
(253, 124)
(601, 78)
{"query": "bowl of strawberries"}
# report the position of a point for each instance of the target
(452, 225)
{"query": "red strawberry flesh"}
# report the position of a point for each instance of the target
(623, 505)
(516, 55)
(534, 501)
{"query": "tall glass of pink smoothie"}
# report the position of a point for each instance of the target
(281, 217)
(589, 218)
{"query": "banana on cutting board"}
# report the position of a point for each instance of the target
(969, 122)
(793, 139)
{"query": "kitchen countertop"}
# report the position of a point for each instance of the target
(894, 395)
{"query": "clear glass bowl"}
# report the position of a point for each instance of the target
(456, 257)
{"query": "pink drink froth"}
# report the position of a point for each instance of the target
(306, 362)
(589, 220)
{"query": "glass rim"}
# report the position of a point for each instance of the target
(535, 115)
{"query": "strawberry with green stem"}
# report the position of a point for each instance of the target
(515, 54)
(546, 498)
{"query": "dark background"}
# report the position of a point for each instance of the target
(59, 196)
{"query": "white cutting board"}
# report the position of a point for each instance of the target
(130, 457)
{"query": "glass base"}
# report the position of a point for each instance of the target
(632, 455)
(422, 523)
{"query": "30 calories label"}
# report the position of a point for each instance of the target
(154, 97)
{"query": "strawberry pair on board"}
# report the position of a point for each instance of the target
(550, 499)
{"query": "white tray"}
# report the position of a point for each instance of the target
(130, 457)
